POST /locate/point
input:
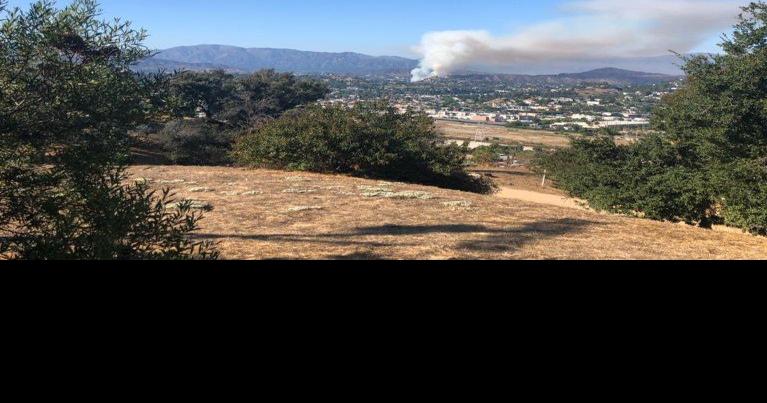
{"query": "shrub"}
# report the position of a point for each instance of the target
(101, 220)
(488, 155)
(589, 169)
(369, 140)
(485, 156)
(744, 200)
(196, 142)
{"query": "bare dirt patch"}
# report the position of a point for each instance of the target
(542, 198)
(339, 222)
(520, 177)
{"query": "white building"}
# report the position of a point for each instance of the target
(473, 145)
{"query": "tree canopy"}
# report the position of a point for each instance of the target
(67, 101)
(709, 163)
(241, 101)
(207, 110)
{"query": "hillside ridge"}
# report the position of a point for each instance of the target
(246, 60)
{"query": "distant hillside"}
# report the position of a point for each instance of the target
(157, 64)
(206, 57)
(666, 64)
(245, 60)
(604, 75)
(619, 75)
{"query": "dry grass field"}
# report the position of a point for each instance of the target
(541, 138)
(261, 214)
(468, 131)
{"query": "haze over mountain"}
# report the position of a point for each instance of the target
(245, 60)
(619, 76)
(234, 58)
(666, 64)
(612, 76)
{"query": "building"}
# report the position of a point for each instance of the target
(473, 145)
(625, 124)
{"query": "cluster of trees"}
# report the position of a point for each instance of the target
(709, 163)
(207, 110)
(269, 119)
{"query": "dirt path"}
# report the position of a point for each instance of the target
(541, 198)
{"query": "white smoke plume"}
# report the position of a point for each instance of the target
(592, 29)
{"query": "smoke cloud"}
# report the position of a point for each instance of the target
(592, 29)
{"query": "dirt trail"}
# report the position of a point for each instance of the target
(541, 198)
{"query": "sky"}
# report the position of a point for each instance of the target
(376, 27)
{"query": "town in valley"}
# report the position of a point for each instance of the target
(577, 106)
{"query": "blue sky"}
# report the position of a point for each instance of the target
(369, 26)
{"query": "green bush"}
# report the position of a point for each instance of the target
(591, 170)
(102, 219)
(488, 155)
(369, 140)
(644, 178)
(744, 200)
(485, 156)
(196, 142)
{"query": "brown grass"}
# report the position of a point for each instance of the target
(468, 131)
(336, 221)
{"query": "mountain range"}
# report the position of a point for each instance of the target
(245, 60)
(607, 75)
(615, 75)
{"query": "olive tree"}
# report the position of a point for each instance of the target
(67, 100)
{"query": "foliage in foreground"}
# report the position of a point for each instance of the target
(67, 101)
(114, 222)
(710, 164)
(370, 140)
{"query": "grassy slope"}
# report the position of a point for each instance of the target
(347, 224)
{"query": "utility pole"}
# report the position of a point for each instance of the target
(478, 135)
